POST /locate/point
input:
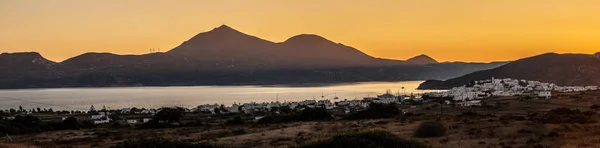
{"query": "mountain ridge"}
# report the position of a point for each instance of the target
(225, 44)
(561, 69)
(225, 56)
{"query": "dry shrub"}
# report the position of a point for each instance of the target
(565, 115)
(430, 129)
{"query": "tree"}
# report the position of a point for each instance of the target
(21, 109)
(217, 110)
(92, 108)
(115, 117)
(29, 119)
(440, 100)
(72, 123)
(2, 114)
(39, 110)
(135, 110)
(223, 109)
(169, 115)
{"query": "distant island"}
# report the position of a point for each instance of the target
(225, 56)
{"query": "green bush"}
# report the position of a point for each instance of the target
(375, 139)
(160, 143)
(376, 111)
(430, 129)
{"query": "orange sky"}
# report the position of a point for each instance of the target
(447, 30)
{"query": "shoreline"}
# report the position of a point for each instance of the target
(213, 85)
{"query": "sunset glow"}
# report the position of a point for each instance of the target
(447, 30)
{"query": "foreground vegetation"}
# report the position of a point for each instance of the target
(160, 143)
(374, 139)
(31, 124)
(500, 123)
(306, 114)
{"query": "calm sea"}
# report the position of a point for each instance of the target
(189, 96)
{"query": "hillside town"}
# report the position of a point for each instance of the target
(472, 93)
(480, 96)
(468, 95)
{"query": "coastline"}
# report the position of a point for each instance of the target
(259, 84)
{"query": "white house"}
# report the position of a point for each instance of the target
(325, 104)
(96, 117)
(125, 110)
(132, 121)
(386, 98)
(544, 94)
(235, 108)
(102, 121)
(470, 103)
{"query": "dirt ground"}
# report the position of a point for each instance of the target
(494, 128)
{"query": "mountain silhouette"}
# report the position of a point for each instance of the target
(421, 60)
(316, 50)
(224, 56)
(225, 45)
(21, 66)
(561, 69)
(24, 61)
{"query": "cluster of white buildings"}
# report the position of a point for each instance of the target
(100, 118)
(265, 106)
(104, 118)
(386, 98)
(507, 87)
(138, 111)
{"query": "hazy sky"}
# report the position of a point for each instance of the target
(447, 30)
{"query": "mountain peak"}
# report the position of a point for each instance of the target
(307, 39)
(222, 40)
(222, 27)
(225, 29)
(421, 59)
